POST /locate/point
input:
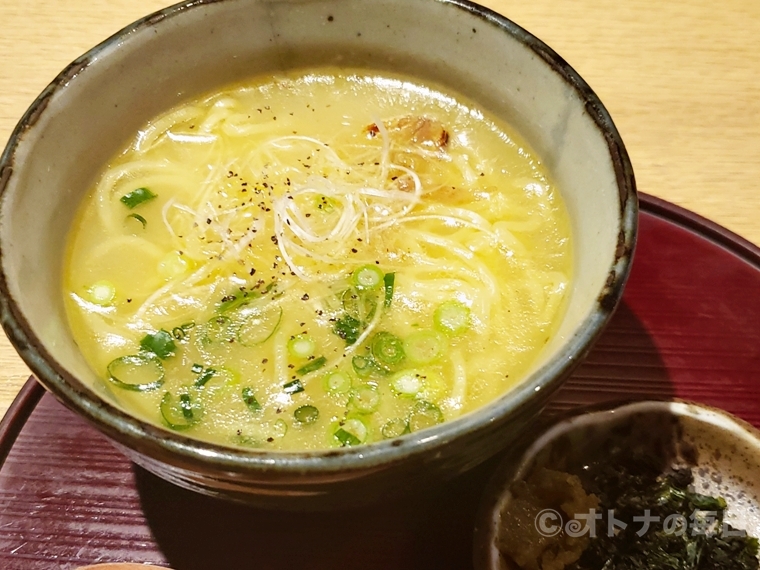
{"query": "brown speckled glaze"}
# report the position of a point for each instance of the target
(96, 104)
(722, 451)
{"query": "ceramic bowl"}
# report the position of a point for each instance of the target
(98, 102)
(722, 451)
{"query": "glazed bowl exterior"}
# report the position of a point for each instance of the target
(722, 451)
(97, 103)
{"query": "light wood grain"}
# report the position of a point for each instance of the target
(679, 78)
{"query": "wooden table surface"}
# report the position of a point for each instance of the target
(680, 79)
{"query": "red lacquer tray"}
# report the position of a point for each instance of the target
(689, 327)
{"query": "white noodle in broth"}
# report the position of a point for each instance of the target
(314, 260)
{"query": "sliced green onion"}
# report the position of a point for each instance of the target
(365, 399)
(389, 281)
(139, 218)
(301, 346)
(367, 277)
(159, 343)
(293, 387)
(424, 415)
(337, 382)
(218, 329)
(352, 432)
(181, 332)
(387, 348)
(221, 375)
(363, 366)
(204, 377)
(138, 372)
(407, 383)
(182, 413)
(395, 428)
(101, 293)
(348, 328)
(307, 414)
(136, 197)
(424, 347)
(250, 400)
(186, 406)
(359, 305)
(315, 364)
(260, 326)
(280, 428)
(196, 368)
(346, 438)
(452, 318)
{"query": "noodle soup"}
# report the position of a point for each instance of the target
(316, 260)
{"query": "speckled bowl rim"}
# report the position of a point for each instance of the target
(151, 440)
(518, 464)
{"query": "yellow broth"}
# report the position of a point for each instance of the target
(317, 259)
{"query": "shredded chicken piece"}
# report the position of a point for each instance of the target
(423, 131)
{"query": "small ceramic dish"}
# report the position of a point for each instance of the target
(722, 451)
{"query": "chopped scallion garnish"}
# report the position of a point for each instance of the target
(394, 428)
(387, 348)
(139, 218)
(280, 428)
(181, 332)
(138, 372)
(337, 382)
(351, 432)
(101, 293)
(196, 368)
(365, 399)
(452, 317)
(389, 281)
(260, 326)
(186, 406)
(218, 329)
(367, 277)
(424, 347)
(307, 414)
(345, 438)
(424, 415)
(363, 365)
(348, 328)
(137, 197)
(293, 387)
(250, 400)
(361, 305)
(159, 343)
(315, 364)
(204, 377)
(301, 346)
(407, 383)
(182, 413)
